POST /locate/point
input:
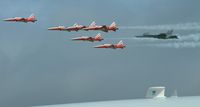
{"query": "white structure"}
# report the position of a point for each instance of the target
(156, 92)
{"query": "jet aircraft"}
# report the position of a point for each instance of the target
(90, 39)
(112, 46)
(93, 26)
(31, 18)
(167, 35)
(112, 27)
(60, 28)
(75, 27)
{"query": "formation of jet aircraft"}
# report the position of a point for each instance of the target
(76, 27)
(167, 35)
(155, 95)
(93, 27)
(31, 18)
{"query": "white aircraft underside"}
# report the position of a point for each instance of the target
(161, 102)
(155, 97)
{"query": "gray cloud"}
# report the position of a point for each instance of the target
(40, 67)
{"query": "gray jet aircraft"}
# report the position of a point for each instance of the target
(167, 35)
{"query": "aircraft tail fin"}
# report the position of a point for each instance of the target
(93, 23)
(75, 24)
(120, 43)
(156, 92)
(146, 33)
(169, 32)
(98, 36)
(113, 24)
(32, 16)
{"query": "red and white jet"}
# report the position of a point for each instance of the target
(61, 28)
(90, 39)
(93, 26)
(31, 18)
(112, 27)
(112, 46)
(75, 27)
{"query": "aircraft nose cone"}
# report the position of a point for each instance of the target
(5, 19)
(95, 46)
(50, 28)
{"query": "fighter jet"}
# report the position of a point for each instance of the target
(112, 27)
(61, 28)
(31, 18)
(90, 39)
(75, 27)
(112, 46)
(93, 26)
(167, 35)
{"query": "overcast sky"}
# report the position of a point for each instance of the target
(41, 67)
